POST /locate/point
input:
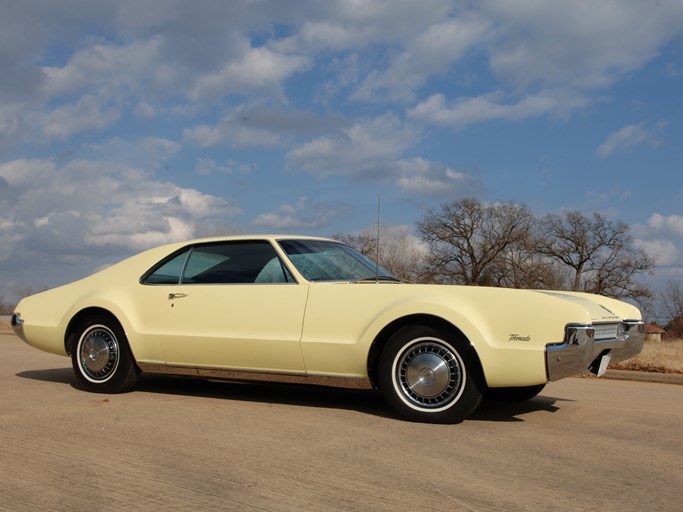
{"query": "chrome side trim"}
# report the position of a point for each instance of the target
(251, 376)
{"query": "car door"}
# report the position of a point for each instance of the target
(237, 306)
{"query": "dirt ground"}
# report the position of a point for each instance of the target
(174, 444)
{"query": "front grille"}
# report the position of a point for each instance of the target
(606, 331)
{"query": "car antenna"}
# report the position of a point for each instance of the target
(379, 203)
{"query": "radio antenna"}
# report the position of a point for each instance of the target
(379, 203)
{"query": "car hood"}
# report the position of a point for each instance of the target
(598, 311)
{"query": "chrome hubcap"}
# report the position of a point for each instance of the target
(98, 353)
(429, 374)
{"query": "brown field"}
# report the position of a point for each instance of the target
(657, 356)
(5, 327)
(660, 357)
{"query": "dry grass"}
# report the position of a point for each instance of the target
(5, 327)
(660, 357)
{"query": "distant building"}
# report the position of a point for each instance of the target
(653, 332)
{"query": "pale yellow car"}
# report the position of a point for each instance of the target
(312, 310)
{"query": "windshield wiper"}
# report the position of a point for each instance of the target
(373, 279)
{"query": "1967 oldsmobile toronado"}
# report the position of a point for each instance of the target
(312, 310)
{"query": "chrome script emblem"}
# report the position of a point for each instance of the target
(519, 337)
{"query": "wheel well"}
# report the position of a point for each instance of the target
(434, 322)
(76, 321)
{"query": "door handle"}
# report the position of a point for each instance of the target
(172, 296)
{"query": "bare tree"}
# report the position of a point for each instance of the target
(364, 242)
(5, 307)
(400, 252)
(468, 238)
(599, 254)
(25, 291)
(521, 266)
(670, 302)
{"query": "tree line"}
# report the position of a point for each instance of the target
(469, 242)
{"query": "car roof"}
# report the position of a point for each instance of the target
(232, 238)
(273, 237)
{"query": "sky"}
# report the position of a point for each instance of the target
(128, 124)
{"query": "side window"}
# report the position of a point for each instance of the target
(234, 263)
(167, 272)
(206, 265)
(274, 272)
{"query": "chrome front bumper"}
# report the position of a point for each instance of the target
(580, 351)
(18, 326)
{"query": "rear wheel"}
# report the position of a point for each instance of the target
(428, 377)
(101, 358)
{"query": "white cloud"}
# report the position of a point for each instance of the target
(671, 224)
(666, 253)
(258, 126)
(616, 195)
(494, 106)
(662, 237)
(363, 149)
(572, 46)
(147, 152)
(12, 129)
(232, 135)
(105, 66)
(207, 166)
(304, 214)
(372, 150)
(71, 77)
(629, 137)
(577, 44)
(166, 213)
(323, 34)
(144, 110)
(87, 114)
(420, 177)
(151, 45)
(257, 68)
(358, 24)
(9, 121)
(432, 52)
(67, 210)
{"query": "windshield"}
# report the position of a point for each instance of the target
(319, 260)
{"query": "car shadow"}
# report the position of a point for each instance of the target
(60, 375)
(510, 411)
(363, 401)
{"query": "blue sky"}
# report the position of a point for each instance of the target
(127, 124)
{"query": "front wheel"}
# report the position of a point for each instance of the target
(428, 377)
(101, 358)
